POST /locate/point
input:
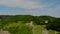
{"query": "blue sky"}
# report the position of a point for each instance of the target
(31, 7)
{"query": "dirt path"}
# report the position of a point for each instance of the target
(4, 32)
(45, 31)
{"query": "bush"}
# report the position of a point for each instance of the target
(22, 29)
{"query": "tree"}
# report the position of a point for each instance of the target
(55, 25)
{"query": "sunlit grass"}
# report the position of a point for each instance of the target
(39, 29)
(51, 32)
(18, 28)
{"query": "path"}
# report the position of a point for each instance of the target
(4, 32)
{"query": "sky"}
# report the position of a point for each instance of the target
(30, 7)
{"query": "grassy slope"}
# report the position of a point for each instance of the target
(21, 28)
(51, 32)
(38, 30)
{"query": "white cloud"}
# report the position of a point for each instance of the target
(33, 7)
(25, 4)
(20, 3)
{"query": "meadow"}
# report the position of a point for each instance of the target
(17, 24)
(22, 28)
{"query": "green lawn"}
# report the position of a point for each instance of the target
(38, 30)
(51, 32)
(18, 28)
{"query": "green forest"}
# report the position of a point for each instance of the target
(16, 24)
